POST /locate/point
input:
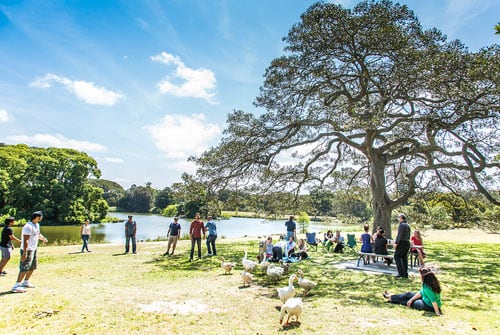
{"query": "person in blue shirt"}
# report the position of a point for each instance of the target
(212, 236)
(291, 227)
(173, 234)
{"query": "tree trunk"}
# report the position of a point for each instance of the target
(381, 204)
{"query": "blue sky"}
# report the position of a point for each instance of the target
(142, 85)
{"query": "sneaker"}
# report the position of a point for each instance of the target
(18, 289)
(27, 284)
(3, 273)
(209, 255)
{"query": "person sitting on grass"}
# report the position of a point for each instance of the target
(417, 240)
(290, 246)
(268, 247)
(302, 250)
(427, 299)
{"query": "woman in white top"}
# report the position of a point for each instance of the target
(85, 234)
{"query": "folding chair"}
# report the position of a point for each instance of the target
(312, 241)
(351, 241)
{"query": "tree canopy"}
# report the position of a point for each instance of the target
(370, 90)
(53, 180)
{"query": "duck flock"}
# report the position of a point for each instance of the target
(290, 305)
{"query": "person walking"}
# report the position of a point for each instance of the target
(173, 234)
(196, 229)
(85, 235)
(130, 231)
(30, 236)
(291, 227)
(402, 246)
(6, 245)
(212, 236)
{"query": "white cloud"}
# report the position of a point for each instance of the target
(86, 91)
(58, 141)
(114, 160)
(459, 13)
(4, 116)
(180, 136)
(196, 83)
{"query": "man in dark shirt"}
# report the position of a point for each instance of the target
(130, 231)
(291, 226)
(173, 234)
(402, 246)
(195, 230)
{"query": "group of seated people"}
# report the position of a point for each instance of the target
(377, 243)
(337, 240)
(285, 249)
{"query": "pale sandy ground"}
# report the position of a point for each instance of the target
(461, 236)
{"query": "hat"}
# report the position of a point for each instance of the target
(37, 213)
(402, 216)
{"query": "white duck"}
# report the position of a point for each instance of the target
(246, 277)
(248, 265)
(274, 272)
(264, 263)
(226, 266)
(292, 306)
(306, 284)
(287, 292)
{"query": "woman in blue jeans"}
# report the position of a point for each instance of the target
(427, 299)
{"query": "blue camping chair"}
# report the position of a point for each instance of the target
(312, 241)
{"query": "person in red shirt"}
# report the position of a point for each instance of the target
(418, 241)
(196, 229)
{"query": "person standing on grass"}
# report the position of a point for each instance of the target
(130, 231)
(6, 245)
(402, 246)
(29, 244)
(291, 227)
(173, 234)
(212, 236)
(196, 229)
(85, 235)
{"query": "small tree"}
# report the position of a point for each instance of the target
(303, 221)
(170, 210)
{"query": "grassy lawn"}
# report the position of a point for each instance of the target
(106, 292)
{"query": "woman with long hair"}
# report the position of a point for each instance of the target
(427, 299)
(418, 251)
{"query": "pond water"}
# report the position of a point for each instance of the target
(153, 227)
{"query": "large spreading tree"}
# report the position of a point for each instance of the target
(367, 90)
